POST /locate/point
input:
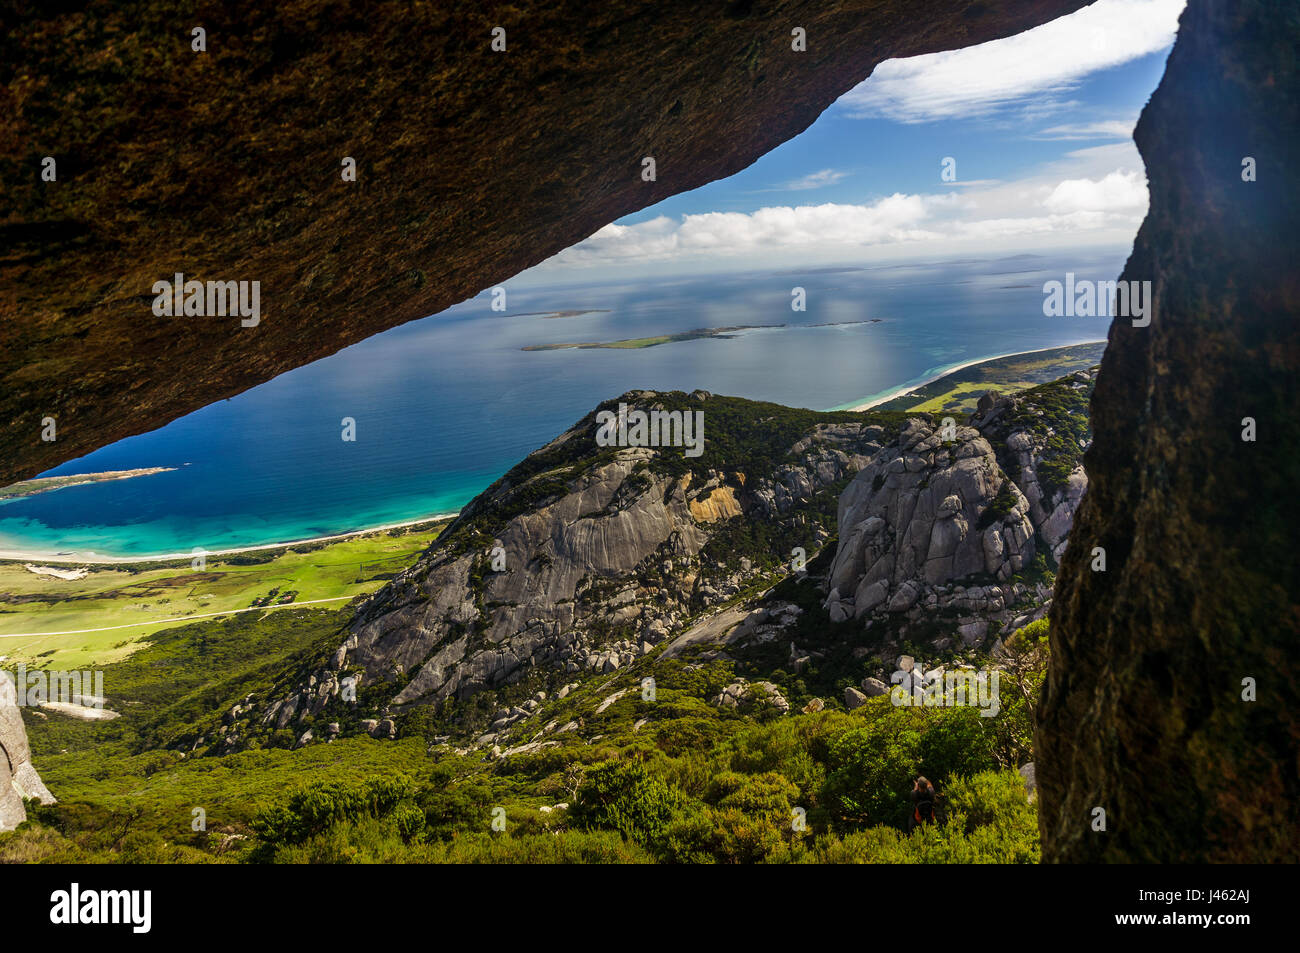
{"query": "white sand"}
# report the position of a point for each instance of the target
(69, 574)
(90, 557)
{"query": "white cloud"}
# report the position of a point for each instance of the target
(816, 180)
(1119, 191)
(1106, 129)
(1029, 72)
(892, 219)
(1069, 201)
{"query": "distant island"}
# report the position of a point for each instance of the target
(652, 341)
(570, 313)
(46, 484)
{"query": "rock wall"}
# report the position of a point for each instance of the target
(922, 513)
(576, 566)
(932, 524)
(1143, 713)
(472, 165)
(18, 778)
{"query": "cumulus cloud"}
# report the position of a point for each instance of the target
(892, 219)
(1071, 206)
(1119, 191)
(1027, 74)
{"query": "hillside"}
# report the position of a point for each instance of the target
(664, 643)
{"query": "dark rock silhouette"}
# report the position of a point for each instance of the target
(1143, 713)
(472, 165)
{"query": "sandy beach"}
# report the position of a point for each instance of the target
(91, 558)
(908, 388)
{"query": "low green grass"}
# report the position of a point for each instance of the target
(121, 599)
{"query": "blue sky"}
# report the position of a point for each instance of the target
(1039, 125)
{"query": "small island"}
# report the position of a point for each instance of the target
(654, 341)
(568, 313)
(843, 324)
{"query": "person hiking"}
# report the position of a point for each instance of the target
(922, 803)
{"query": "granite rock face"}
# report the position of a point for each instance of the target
(18, 777)
(550, 556)
(947, 521)
(921, 513)
(1146, 711)
(1024, 441)
(472, 165)
(583, 558)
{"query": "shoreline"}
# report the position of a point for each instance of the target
(92, 558)
(905, 389)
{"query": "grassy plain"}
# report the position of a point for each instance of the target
(104, 616)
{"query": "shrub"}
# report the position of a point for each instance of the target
(313, 809)
(989, 821)
(871, 767)
(622, 796)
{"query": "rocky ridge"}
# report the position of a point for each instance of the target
(935, 524)
(583, 560)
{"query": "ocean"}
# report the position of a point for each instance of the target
(445, 405)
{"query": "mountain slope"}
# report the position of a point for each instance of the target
(583, 559)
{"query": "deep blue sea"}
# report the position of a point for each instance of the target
(446, 404)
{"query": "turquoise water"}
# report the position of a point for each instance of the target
(445, 405)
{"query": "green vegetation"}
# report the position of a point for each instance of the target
(744, 438)
(628, 780)
(1002, 504)
(748, 438)
(1056, 413)
(675, 779)
(958, 392)
(117, 598)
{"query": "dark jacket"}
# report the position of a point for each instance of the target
(922, 806)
